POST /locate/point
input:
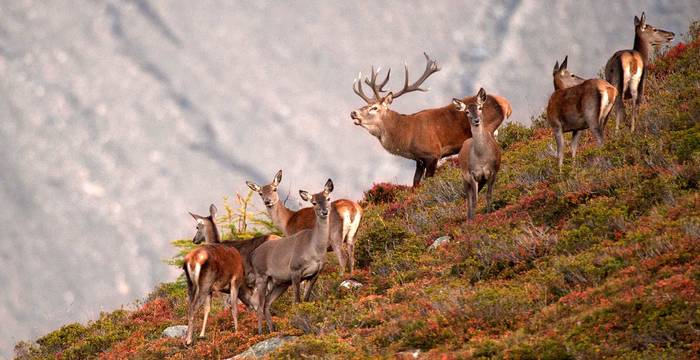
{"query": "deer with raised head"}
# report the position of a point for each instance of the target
(344, 221)
(626, 69)
(210, 268)
(576, 105)
(291, 259)
(480, 155)
(426, 136)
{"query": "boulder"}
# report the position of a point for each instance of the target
(177, 331)
(263, 348)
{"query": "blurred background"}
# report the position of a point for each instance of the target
(117, 117)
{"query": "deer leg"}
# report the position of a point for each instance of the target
(337, 245)
(234, 301)
(431, 166)
(559, 138)
(261, 288)
(311, 282)
(635, 104)
(420, 170)
(271, 297)
(574, 144)
(489, 192)
(296, 280)
(199, 298)
(207, 308)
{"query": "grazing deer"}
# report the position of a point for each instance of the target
(480, 156)
(291, 259)
(426, 136)
(626, 69)
(208, 233)
(578, 104)
(344, 221)
(211, 267)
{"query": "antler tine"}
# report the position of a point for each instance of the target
(431, 67)
(357, 88)
(372, 82)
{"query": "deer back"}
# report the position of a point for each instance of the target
(567, 107)
(218, 262)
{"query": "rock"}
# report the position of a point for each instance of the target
(408, 354)
(439, 241)
(350, 284)
(263, 348)
(177, 331)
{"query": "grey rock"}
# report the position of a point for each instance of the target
(264, 347)
(439, 241)
(176, 331)
(350, 284)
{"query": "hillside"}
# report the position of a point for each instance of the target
(602, 260)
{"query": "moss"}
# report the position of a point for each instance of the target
(316, 347)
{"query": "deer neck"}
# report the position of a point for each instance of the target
(642, 46)
(390, 132)
(480, 137)
(280, 215)
(320, 234)
(211, 235)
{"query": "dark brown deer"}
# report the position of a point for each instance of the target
(576, 105)
(626, 69)
(426, 136)
(291, 259)
(210, 268)
(480, 156)
(344, 221)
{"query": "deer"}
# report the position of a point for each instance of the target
(576, 105)
(208, 268)
(286, 262)
(344, 221)
(426, 136)
(208, 233)
(480, 156)
(626, 69)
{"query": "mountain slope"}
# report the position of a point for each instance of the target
(600, 261)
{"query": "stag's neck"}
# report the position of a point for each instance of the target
(212, 235)
(280, 215)
(643, 47)
(320, 234)
(392, 134)
(481, 138)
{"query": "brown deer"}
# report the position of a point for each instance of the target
(209, 268)
(480, 155)
(626, 69)
(208, 233)
(576, 105)
(344, 221)
(426, 136)
(291, 259)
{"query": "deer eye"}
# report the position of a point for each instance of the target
(373, 108)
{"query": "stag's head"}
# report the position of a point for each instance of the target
(651, 34)
(472, 110)
(321, 201)
(372, 115)
(563, 78)
(268, 192)
(206, 227)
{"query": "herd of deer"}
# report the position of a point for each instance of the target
(259, 270)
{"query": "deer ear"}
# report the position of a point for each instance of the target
(305, 195)
(636, 21)
(481, 97)
(212, 211)
(564, 63)
(195, 216)
(459, 104)
(388, 99)
(278, 178)
(556, 67)
(253, 186)
(328, 188)
(644, 18)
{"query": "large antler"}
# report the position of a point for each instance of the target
(430, 68)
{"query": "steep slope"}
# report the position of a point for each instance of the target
(601, 261)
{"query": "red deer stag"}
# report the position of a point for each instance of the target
(480, 156)
(576, 105)
(291, 259)
(344, 221)
(209, 268)
(626, 69)
(425, 136)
